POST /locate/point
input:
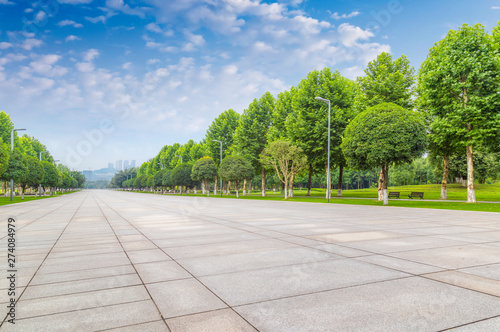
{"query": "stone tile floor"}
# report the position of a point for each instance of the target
(103, 260)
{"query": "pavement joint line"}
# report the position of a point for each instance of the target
(84, 309)
(138, 324)
(206, 287)
(93, 278)
(466, 324)
(27, 285)
(24, 226)
(133, 266)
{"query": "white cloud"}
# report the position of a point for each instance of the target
(30, 43)
(12, 57)
(262, 47)
(6, 2)
(96, 19)
(336, 15)
(152, 61)
(85, 67)
(310, 25)
(353, 72)
(44, 65)
(28, 10)
(152, 44)
(154, 27)
(5, 45)
(90, 55)
(40, 16)
(127, 65)
(350, 34)
(69, 22)
(72, 38)
(126, 9)
(495, 7)
(197, 40)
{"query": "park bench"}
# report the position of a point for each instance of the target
(394, 194)
(416, 194)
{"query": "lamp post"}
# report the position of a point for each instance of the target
(161, 165)
(40, 185)
(12, 149)
(328, 163)
(181, 164)
(219, 166)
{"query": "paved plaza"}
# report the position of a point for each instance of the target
(106, 260)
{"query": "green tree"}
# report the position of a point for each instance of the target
(50, 176)
(6, 126)
(459, 83)
(166, 179)
(181, 176)
(204, 170)
(383, 135)
(158, 178)
(17, 169)
(138, 182)
(34, 175)
(237, 169)
(286, 159)
(282, 108)
(222, 129)
(251, 133)
(387, 81)
(150, 181)
(4, 157)
(307, 125)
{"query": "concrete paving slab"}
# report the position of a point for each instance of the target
(492, 324)
(469, 281)
(207, 265)
(161, 271)
(271, 283)
(158, 326)
(356, 236)
(183, 297)
(50, 278)
(400, 264)
(217, 320)
(148, 255)
(409, 304)
(491, 271)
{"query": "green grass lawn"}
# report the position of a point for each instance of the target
(17, 199)
(432, 192)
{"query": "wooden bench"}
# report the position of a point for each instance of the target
(416, 194)
(394, 194)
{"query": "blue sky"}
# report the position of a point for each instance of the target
(98, 81)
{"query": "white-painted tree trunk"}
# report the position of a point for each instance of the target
(444, 182)
(244, 187)
(263, 183)
(341, 175)
(471, 192)
(380, 181)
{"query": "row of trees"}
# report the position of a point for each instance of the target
(383, 120)
(24, 166)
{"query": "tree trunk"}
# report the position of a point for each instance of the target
(215, 186)
(207, 187)
(203, 187)
(341, 173)
(380, 181)
(285, 184)
(236, 187)
(244, 187)
(385, 178)
(290, 186)
(22, 193)
(263, 182)
(228, 188)
(309, 182)
(328, 183)
(471, 193)
(444, 182)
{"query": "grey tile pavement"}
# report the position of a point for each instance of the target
(104, 260)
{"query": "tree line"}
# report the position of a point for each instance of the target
(386, 120)
(30, 164)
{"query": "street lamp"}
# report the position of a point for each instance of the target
(220, 164)
(12, 149)
(328, 163)
(181, 164)
(160, 165)
(40, 185)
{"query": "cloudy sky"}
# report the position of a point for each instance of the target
(101, 80)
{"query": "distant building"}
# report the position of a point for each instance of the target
(118, 166)
(125, 164)
(132, 164)
(111, 166)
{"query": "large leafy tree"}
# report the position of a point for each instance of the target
(17, 169)
(282, 108)
(34, 175)
(50, 175)
(221, 129)
(181, 176)
(307, 125)
(4, 157)
(166, 179)
(286, 159)
(237, 169)
(251, 133)
(459, 83)
(204, 170)
(382, 135)
(6, 126)
(387, 81)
